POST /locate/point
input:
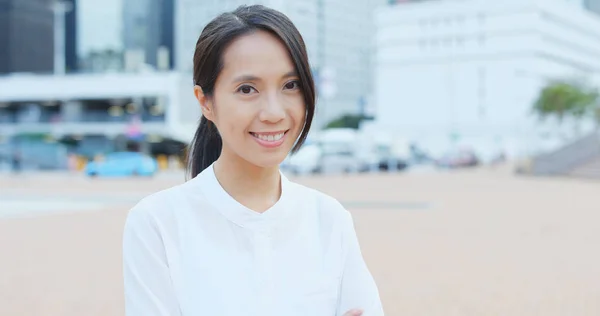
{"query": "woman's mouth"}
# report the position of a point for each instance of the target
(270, 139)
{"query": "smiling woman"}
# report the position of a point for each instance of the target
(256, 100)
(233, 239)
(262, 65)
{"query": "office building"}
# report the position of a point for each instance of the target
(26, 36)
(100, 35)
(469, 71)
(148, 33)
(71, 58)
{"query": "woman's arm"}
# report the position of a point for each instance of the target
(148, 287)
(358, 288)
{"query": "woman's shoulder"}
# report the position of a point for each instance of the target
(324, 203)
(160, 204)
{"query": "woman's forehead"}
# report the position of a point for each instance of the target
(257, 54)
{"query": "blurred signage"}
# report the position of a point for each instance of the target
(134, 128)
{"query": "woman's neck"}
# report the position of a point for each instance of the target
(255, 187)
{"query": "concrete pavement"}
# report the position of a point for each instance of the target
(480, 242)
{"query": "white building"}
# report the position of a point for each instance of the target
(471, 70)
(99, 104)
(337, 34)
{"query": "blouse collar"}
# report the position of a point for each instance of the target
(234, 210)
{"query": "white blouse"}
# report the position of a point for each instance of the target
(193, 250)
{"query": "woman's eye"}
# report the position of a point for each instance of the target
(246, 89)
(292, 85)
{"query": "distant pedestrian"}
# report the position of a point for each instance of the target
(72, 162)
(17, 160)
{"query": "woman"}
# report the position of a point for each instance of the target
(239, 238)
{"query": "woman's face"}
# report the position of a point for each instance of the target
(257, 104)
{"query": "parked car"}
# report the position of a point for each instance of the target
(340, 151)
(122, 164)
(340, 162)
(384, 165)
(458, 159)
(306, 161)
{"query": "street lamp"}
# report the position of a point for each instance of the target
(60, 8)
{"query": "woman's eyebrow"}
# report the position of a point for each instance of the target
(290, 74)
(245, 78)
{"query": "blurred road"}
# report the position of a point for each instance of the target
(479, 242)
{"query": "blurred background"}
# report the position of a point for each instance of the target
(462, 135)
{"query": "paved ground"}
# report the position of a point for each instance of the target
(471, 243)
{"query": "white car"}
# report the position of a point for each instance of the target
(340, 162)
(306, 161)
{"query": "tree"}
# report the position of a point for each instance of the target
(564, 99)
(347, 121)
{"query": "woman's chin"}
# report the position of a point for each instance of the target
(268, 162)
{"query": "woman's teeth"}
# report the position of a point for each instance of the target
(269, 138)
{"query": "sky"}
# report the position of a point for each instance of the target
(100, 25)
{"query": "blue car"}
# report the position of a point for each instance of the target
(123, 164)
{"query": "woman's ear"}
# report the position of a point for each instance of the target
(205, 103)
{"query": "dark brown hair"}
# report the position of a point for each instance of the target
(208, 63)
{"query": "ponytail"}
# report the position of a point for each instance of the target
(205, 147)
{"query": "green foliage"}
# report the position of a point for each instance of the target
(347, 121)
(564, 99)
